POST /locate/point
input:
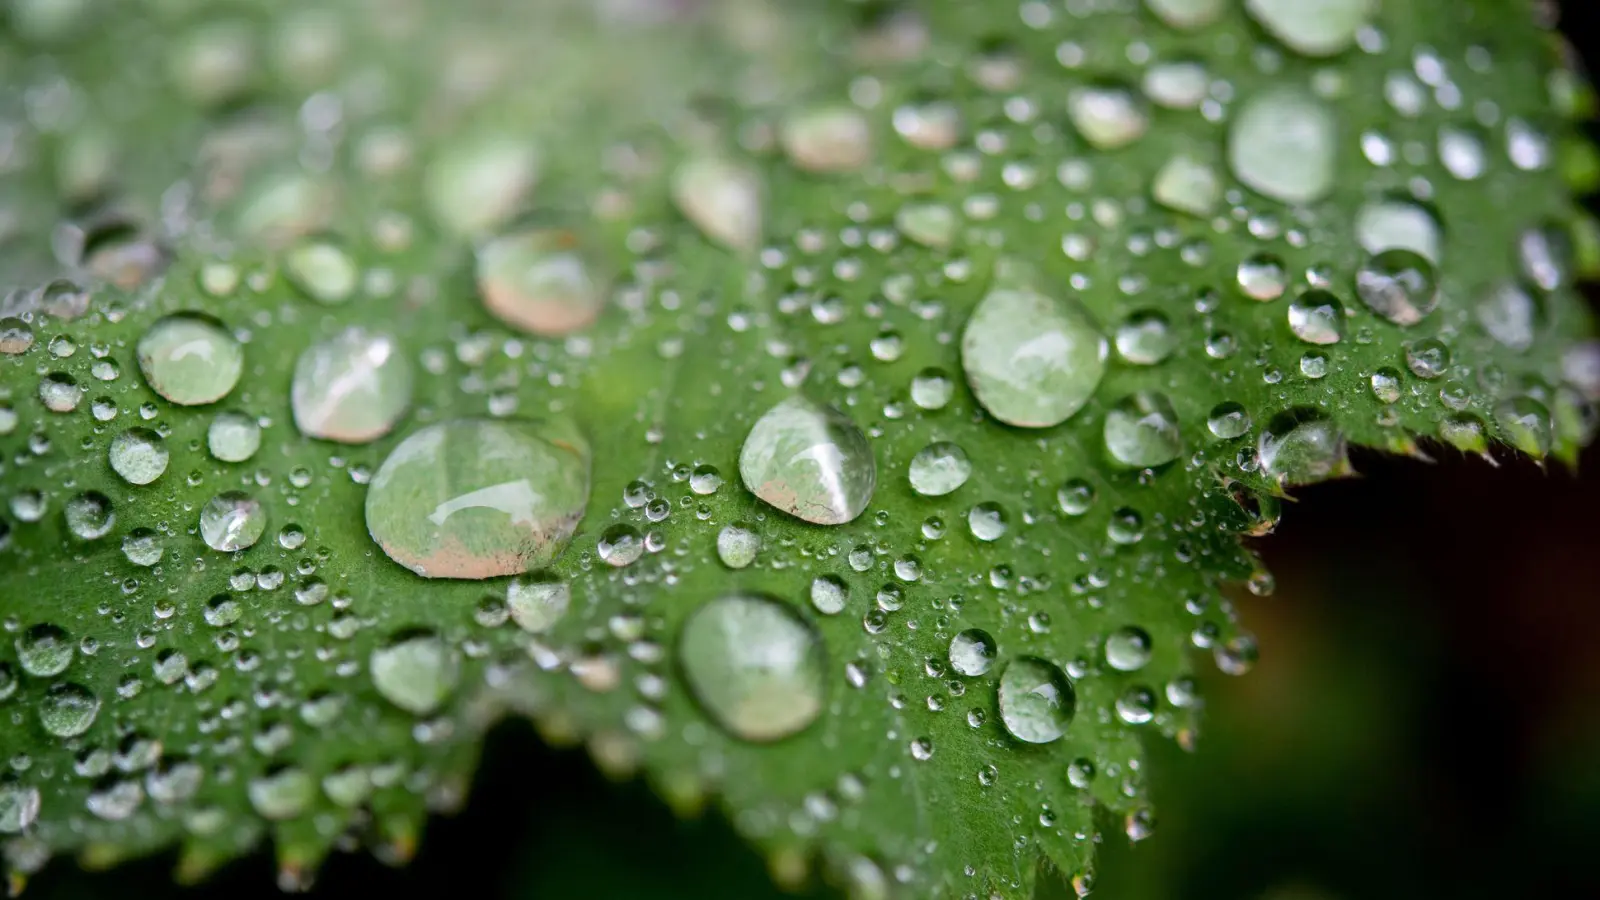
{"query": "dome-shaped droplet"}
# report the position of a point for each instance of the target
(1128, 648)
(190, 359)
(282, 793)
(1261, 276)
(232, 520)
(929, 224)
(828, 594)
(1188, 185)
(972, 652)
(1187, 14)
(620, 545)
(476, 184)
(1141, 430)
(351, 388)
(1525, 422)
(1510, 315)
(737, 546)
(1282, 143)
(1037, 701)
(143, 547)
(44, 651)
(138, 455)
(932, 389)
(1145, 338)
(722, 199)
(939, 468)
(60, 392)
(416, 672)
(987, 521)
(68, 710)
(1398, 285)
(1317, 317)
(1398, 224)
(1312, 27)
(1428, 358)
(233, 437)
(16, 336)
(1107, 116)
(1032, 360)
(89, 515)
(809, 460)
(756, 667)
(539, 281)
(827, 139)
(1228, 420)
(322, 270)
(537, 604)
(19, 806)
(1302, 445)
(478, 498)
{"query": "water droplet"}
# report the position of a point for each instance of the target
(1032, 360)
(755, 666)
(59, 392)
(1076, 497)
(1186, 14)
(931, 389)
(1037, 701)
(352, 388)
(1141, 430)
(1525, 422)
(1510, 315)
(939, 468)
(1317, 317)
(722, 199)
(1312, 27)
(1398, 224)
(44, 651)
(1428, 358)
(1262, 277)
(232, 520)
(322, 270)
(233, 437)
(1302, 445)
(1107, 116)
(620, 545)
(138, 455)
(1228, 420)
(929, 224)
(1386, 385)
(705, 480)
(416, 672)
(972, 652)
(828, 594)
(68, 709)
(1145, 338)
(16, 336)
(477, 498)
(1128, 649)
(1188, 185)
(1462, 153)
(1136, 705)
(1282, 143)
(190, 359)
(89, 515)
(19, 806)
(537, 604)
(827, 139)
(737, 546)
(476, 184)
(142, 547)
(987, 521)
(539, 281)
(282, 793)
(809, 460)
(1398, 285)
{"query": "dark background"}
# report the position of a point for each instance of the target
(1424, 722)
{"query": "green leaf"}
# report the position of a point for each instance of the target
(847, 414)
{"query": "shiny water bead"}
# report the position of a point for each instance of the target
(1037, 701)
(351, 388)
(323, 271)
(737, 546)
(810, 461)
(233, 437)
(1428, 358)
(1107, 116)
(1188, 185)
(1145, 338)
(827, 139)
(232, 520)
(1312, 27)
(1302, 445)
(59, 392)
(1317, 317)
(89, 515)
(190, 359)
(44, 651)
(1141, 430)
(1398, 285)
(931, 389)
(19, 806)
(416, 672)
(1032, 359)
(539, 281)
(938, 469)
(138, 455)
(828, 594)
(754, 666)
(1282, 143)
(1262, 276)
(1510, 315)
(16, 336)
(68, 709)
(722, 199)
(537, 604)
(475, 184)
(1128, 649)
(972, 652)
(1399, 224)
(929, 224)
(1525, 423)
(1228, 420)
(1176, 85)
(478, 498)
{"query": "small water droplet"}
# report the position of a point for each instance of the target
(1228, 420)
(233, 437)
(1128, 649)
(322, 270)
(1317, 317)
(89, 515)
(68, 709)
(737, 546)
(539, 281)
(939, 469)
(1282, 143)
(1398, 285)
(1302, 445)
(1037, 702)
(232, 520)
(987, 521)
(1145, 338)
(827, 139)
(1141, 431)
(1312, 27)
(722, 199)
(1076, 497)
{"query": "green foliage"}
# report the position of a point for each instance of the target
(634, 232)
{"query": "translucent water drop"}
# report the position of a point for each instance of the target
(1302, 445)
(322, 270)
(1545, 255)
(1186, 14)
(1428, 358)
(1510, 315)
(1145, 338)
(620, 545)
(190, 359)
(1398, 285)
(351, 388)
(1465, 432)
(705, 480)
(1386, 385)
(1141, 430)
(1107, 116)
(1398, 224)
(1187, 184)
(939, 469)
(987, 521)
(828, 594)
(479, 498)
(737, 546)
(1228, 420)
(931, 389)
(722, 199)
(539, 281)
(1312, 27)
(19, 806)
(755, 667)
(89, 515)
(1282, 143)
(142, 547)
(1037, 701)
(232, 520)
(1076, 497)
(233, 437)
(1525, 422)
(1031, 359)
(68, 709)
(1128, 649)
(416, 672)
(810, 461)
(1176, 85)
(537, 604)
(476, 184)
(138, 455)
(59, 392)
(1317, 317)
(44, 651)
(1262, 277)
(284, 792)
(826, 139)
(1462, 153)
(929, 224)
(972, 652)
(16, 336)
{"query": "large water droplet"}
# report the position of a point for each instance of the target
(1388, 224)
(1510, 315)
(828, 594)
(1141, 430)
(322, 270)
(1128, 648)
(68, 710)
(477, 498)
(537, 604)
(1107, 116)
(352, 388)
(827, 139)
(972, 652)
(810, 461)
(1317, 317)
(1228, 420)
(1312, 27)
(416, 672)
(44, 651)
(1037, 701)
(232, 520)
(1282, 143)
(1302, 445)
(233, 437)
(1032, 360)
(1145, 338)
(538, 281)
(1398, 285)
(1186, 14)
(620, 545)
(754, 665)
(939, 468)
(19, 806)
(1525, 422)
(142, 547)
(722, 199)
(138, 455)
(16, 336)
(476, 184)
(190, 359)
(89, 515)
(737, 546)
